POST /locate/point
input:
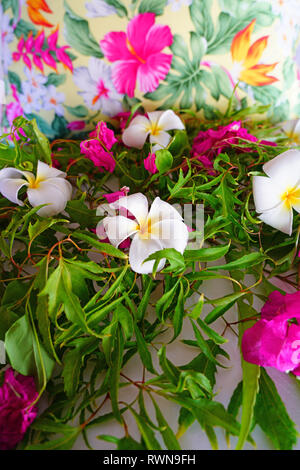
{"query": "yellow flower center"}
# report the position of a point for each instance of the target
(291, 197)
(294, 137)
(154, 128)
(34, 183)
(145, 229)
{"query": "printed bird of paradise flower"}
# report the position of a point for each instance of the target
(246, 57)
(34, 7)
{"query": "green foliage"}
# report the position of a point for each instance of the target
(76, 317)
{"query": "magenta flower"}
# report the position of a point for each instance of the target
(97, 148)
(17, 394)
(274, 341)
(112, 197)
(149, 163)
(102, 159)
(104, 134)
(31, 51)
(76, 125)
(137, 54)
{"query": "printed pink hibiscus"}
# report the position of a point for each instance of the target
(274, 341)
(17, 394)
(137, 54)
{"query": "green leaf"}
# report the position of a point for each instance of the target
(244, 262)
(115, 370)
(78, 34)
(145, 430)
(55, 79)
(204, 345)
(102, 247)
(26, 354)
(143, 350)
(79, 111)
(178, 313)
(218, 312)
(154, 6)
(166, 432)
(14, 79)
(206, 254)
(271, 415)
(163, 160)
(200, 16)
(43, 143)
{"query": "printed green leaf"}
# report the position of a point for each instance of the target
(154, 6)
(78, 35)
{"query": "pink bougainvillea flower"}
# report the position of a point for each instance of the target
(97, 147)
(137, 54)
(274, 341)
(76, 125)
(17, 394)
(102, 159)
(104, 134)
(149, 163)
(210, 143)
(112, 197)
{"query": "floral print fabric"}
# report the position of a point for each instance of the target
(69, 64)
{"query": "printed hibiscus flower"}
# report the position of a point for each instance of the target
(274, 341)
(17, 394)
(245, 58)
(137, 54)
(98, 93)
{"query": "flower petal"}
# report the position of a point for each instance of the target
(161, 140)
(119, 228)
(45, 171)
(255, 52)
(279, 218)
(124, 76)
(241, 42)
(266, 193)
(114, 46)
(161, 210)
(10, 188)
(171, 233)
(136, 134)
(285, 168)
(155, 68)
(137, 30)
(158, 37)
(54, 192)
(169, 120)
(141, 250)
(136, 204)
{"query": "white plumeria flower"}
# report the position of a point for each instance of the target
(292, 129)
(156, 125)
(151, 231)
(49, 186)
(277, 195)
(177, 4)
